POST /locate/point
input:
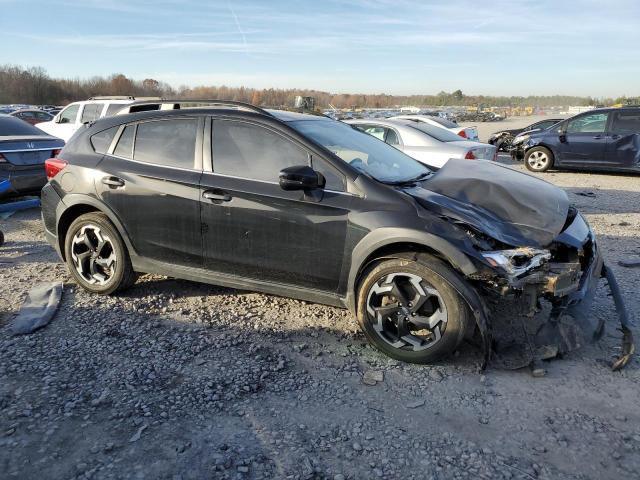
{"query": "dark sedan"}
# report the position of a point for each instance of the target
(502, 139)
(602, 139)
(23, 150)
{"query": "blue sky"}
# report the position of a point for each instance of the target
(492, 47)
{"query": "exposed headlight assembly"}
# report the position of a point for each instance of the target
(517, 261)
(520, 139)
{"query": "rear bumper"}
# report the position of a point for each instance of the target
(51, 202)
(22, 181)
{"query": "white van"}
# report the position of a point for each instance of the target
(67, 121)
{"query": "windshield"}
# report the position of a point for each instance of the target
(362, 151)
(436, 132)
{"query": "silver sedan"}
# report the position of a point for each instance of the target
(430, 145)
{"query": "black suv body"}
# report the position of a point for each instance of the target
(307, 207)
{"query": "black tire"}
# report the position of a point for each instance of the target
(1, 238)
(538, 159)
(427, 345)
(116, 277)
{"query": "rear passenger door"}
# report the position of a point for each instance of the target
(252, 228)
(150, 179)
(623, 140)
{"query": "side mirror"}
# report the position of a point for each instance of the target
(62, 120)
(300, 177)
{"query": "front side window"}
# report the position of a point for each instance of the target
(91, 112)
(364, 153)
(244, 150)
(626, 122)
(69, 114)
(593, 123)
(167, 142)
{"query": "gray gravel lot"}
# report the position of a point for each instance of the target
(179, 380)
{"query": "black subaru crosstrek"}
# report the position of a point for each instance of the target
(308, 207)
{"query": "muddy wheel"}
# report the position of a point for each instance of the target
(538, 159)
(411, 311)
(96, 256)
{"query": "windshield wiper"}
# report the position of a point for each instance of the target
(411, 181)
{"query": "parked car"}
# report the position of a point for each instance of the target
(308, 207)
(603, 139)
(32, 116)
(470, 133)
(433, 146)
(67, 121)
(23, 150)
(502, 139)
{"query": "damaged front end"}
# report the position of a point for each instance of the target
(551, 292)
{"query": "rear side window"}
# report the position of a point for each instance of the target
(392, 137)
(249, 151)
(91, 112)
(102, 140)
(113, 108)
(167, 142)
(125, 143)
(626, 122)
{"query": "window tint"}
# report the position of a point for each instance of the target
(626, 122)
(91, 112)
(334, 179)
(392, 137)
(593, 123)
(69, 114)
(101, 141)
(113, 108)
(125, 143)
(245, 150)
(167, 142)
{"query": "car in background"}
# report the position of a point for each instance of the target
(470, 133)
(23, 151)
(428, 144)
(503, 139)
(603, 139)
(73, 116)
(32, 116)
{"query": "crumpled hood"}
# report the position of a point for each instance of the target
(509, 206)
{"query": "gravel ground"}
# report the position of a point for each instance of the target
(179, 380)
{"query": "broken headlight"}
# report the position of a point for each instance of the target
(517, 261)
(520, 139)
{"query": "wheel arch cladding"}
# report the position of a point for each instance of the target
(81, 205)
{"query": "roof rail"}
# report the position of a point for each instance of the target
(123, 97)
(207, 102)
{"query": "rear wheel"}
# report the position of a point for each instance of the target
(538, 159)
(96, 255)
(411, 311)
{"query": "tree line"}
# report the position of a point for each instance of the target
(34, 86)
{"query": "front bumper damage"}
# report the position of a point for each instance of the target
(548, 312)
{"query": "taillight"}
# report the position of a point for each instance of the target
(462, 133)
(55, 152)
(470, 155)
(54, 166)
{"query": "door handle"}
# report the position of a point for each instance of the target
(615, 136)
(216, 196)
(113, 181)
(597, 137)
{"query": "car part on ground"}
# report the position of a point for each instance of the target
(246, 198)
(428, 144)
(38, 309)
(603, 139)
(468, 133)
(23, 150)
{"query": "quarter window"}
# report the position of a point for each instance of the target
(593, 123)
(69, 114)
(249, 151)
(334, 180)
(91, 112)
(167, 142)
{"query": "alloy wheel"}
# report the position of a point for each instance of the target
(406, 312)
(538, 160)
(93, 255)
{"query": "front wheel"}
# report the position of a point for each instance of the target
(538, 159)
(410, 310)
(96, 255)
